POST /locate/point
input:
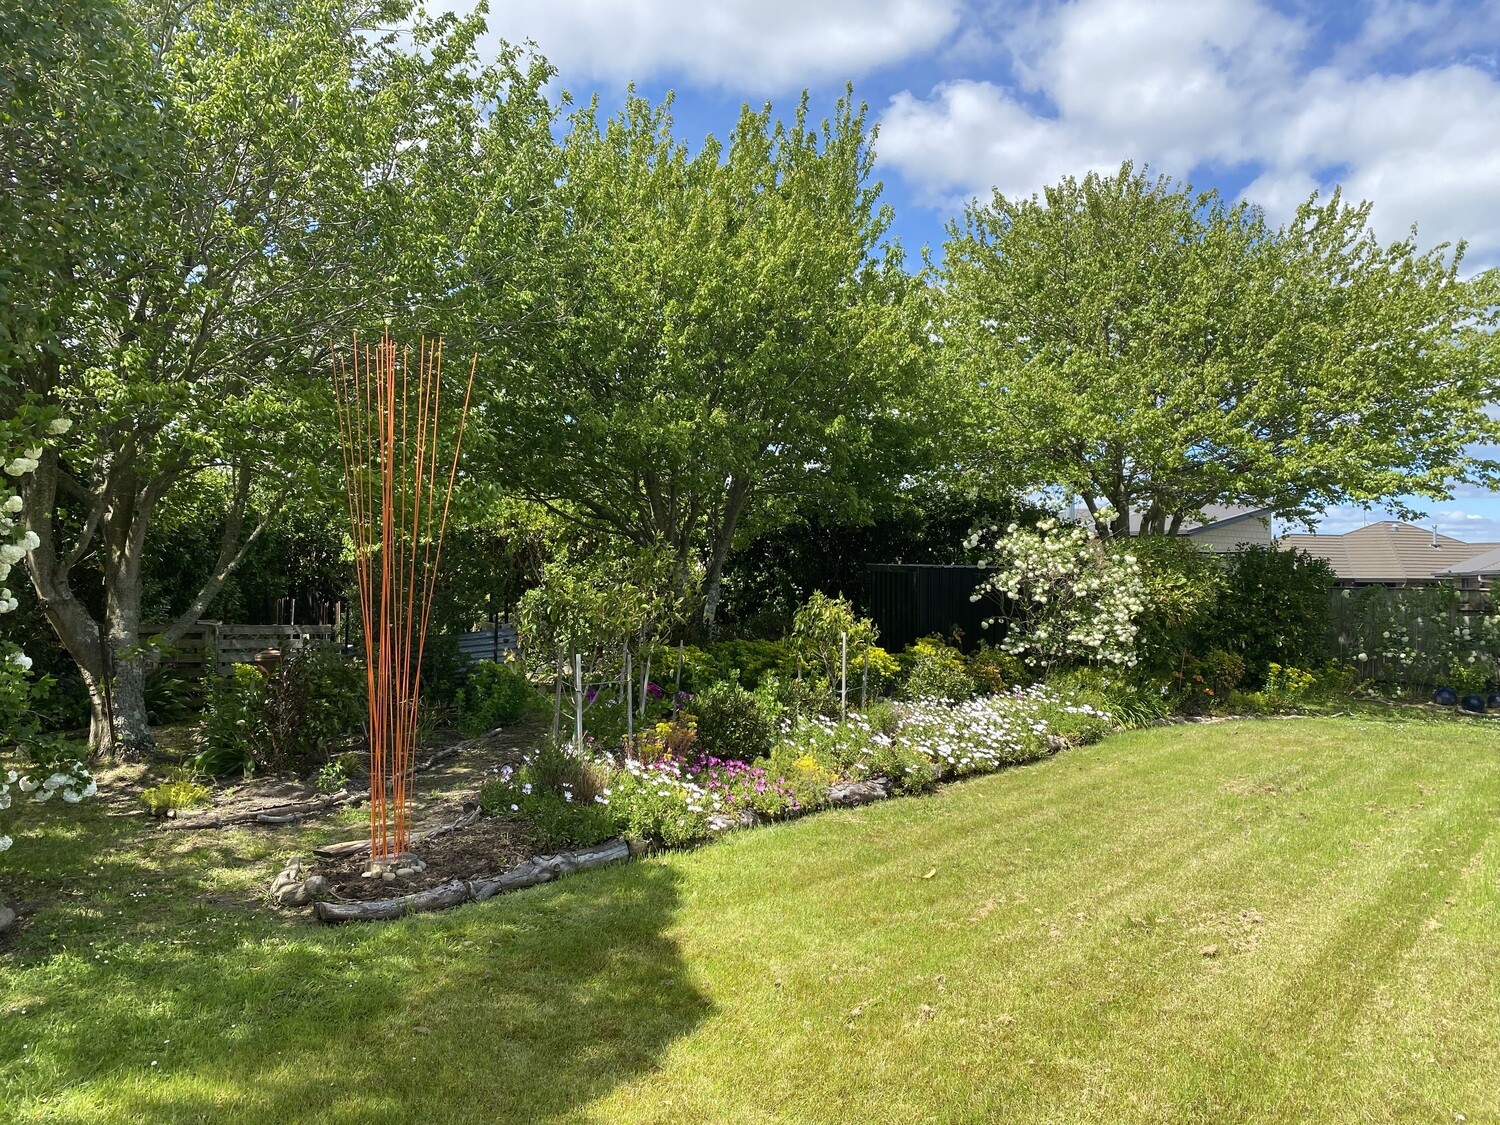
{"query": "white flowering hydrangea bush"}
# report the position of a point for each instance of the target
(53, 774)
(1069, 599)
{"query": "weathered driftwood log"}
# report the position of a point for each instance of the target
(858, 792)
(529, 873)
(437, 898)
(360, 847)
(276, 814)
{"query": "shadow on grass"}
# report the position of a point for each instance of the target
(525, 1008)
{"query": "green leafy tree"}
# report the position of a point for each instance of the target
(1156, 351)
(713, 333)
(301, 175)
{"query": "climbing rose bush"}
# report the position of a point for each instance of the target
(1070, 599)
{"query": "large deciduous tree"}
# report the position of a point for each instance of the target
(295, 166)
(715, 331)
(1157, 351)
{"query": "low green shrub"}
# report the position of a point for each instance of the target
(336, 773)
(1204, 683)
(314, 702)
(171, 697)
(994, 671)
(935, 670)
(495, 695)
(733, 723)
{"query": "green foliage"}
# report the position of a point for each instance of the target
(787, 698)
(171, 698)
(935, 670)
(1204, 683)
(181, 790)
(1127, 699)
(751, 660)
(337, 771)
(311, 704)
(314, 701)
(1127, 338)
(740, 297)
(1413, 636)
(496, 695)
(994, 670)
(555, 792)
(1184, 588)
(732, 722)
(233, 725)
(1471, 677)
(820, 630)
(1275, 607)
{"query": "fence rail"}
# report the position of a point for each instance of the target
(212, 647)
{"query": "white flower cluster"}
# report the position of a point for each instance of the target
(26, 463)
(1069, 598)
(71, 781)
(984, 733)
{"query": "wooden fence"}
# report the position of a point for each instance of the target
(210, 647)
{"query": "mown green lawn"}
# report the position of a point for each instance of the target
(1296, 920)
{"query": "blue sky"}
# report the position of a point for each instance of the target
(1399, 102)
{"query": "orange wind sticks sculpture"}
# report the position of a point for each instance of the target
(400, 465)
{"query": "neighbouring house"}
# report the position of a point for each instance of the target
(1223, 528)
(1477, 573)
(1395, 554)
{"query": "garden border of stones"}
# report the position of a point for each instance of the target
(291, 889)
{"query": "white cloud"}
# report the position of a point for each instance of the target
(1181, 84)
(750, 46)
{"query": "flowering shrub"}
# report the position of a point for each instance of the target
(1416, 636)
(661, 802)
(802, 775)
(1068, 597)
(21, 439)
(733, 786)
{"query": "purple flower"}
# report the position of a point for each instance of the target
(654, 691)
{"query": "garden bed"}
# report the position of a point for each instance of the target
(485, 848)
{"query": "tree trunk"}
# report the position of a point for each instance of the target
(713, 579)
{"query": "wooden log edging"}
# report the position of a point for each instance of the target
(528, 873)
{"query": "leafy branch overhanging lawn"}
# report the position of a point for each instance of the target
(1277, 920)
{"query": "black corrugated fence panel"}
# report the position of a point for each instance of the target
(912, 600)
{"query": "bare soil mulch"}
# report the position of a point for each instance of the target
(485, 848)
